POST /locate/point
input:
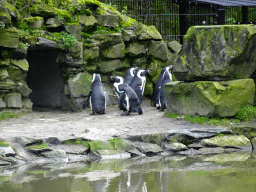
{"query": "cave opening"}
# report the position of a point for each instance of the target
(44, 79)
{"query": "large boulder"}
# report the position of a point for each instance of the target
(144, 32)
(13, 100)
(207, 98)
(221, 52)
(158, 49)
(79, 85)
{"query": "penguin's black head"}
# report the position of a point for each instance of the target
(167, 76)
(131, 71)
(96, 78)
(118, 79)
(142, 72)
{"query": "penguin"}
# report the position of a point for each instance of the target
(128, 99)
(98, 96)
(159, 91)
(138, 82)
(118, 81)
(130, 74)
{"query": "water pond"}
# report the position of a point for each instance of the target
(220, 172)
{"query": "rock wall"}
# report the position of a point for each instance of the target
(215, 65)
(89, 37)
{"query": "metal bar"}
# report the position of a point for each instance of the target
(174, 14)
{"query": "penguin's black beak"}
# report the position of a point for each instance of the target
(147, 71)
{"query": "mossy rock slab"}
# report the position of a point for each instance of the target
(8, 85)
(175, 146)
(74, 30)
(147, 148)
(235, 141)
(91, 53)
(128, 35)
(5, 18)
(3, 74)
(114, 52)
(23, 88)
(107, 39)
(174, 46)
(112, 65)
(27, 103)
(54, 154)
(15, 73)
(35, 22)
(9, 38)
(221, 52)
(13, 100)
(144, 32)
(136, 50)
(108, 20)
(42, 10)
(209, 98)
(5, 63)
(158, 49)
(114, 154)
(153, 138)
(22, 64)
(80, 84)
(54, 22)
(87, 22)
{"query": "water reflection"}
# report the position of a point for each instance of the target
(220, 172)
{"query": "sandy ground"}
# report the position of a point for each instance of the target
(64, 125)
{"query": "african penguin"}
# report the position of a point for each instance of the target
(138, 82)
(98, 96)
(159, 91)
(118, 81)
(128, 100)
(130, 74)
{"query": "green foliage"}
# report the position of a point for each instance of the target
(196, 119)
(23, 46)
(246, 112)
(205, 120)
(65, 15)
(2, 25)
(65, 40)
(3, 144)
(103, 30)
(42, 146)
(8, 114)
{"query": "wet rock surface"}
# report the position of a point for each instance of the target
(44, 136)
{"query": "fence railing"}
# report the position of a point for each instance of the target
(172, 19)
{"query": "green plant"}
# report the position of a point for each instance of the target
(42, 146)
(8, 114)
(3, 144)
(2, 25)
(65, 40)
(246, 112)
(23, 46)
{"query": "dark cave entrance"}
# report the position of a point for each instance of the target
(44, 79)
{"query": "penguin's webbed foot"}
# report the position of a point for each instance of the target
(125, 114)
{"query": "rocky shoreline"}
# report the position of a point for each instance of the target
(184, 140)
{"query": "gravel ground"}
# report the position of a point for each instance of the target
(63, 124)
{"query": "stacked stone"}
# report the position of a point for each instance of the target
(215, 65)
(107, 54)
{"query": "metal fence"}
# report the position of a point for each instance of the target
(168, 16)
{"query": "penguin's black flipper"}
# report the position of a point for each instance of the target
(107, 98)
(88, 104)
